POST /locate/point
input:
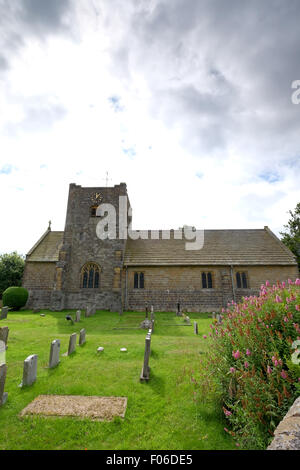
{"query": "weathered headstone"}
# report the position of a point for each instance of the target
(90, 310)
(78, 315)
(145, 374)
(214, 315)
(82, 337)
(195, 327)
(146, 315)
(4, 312)
(72, 344)
(3, 395)
(187, 320)
(178, 313)
(29, 370)
(152, 326)
(4, 334)
(54, 353)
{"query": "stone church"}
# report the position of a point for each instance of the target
(74, 268)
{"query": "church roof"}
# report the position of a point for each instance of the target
(47, 247)
(221, 247)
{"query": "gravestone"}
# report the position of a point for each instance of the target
(145, 374)
(152, 313)
(3, 395)
(214, 315)
(152, 326)
(82, 337)
(4, 335)
(72, 344)
(29, 370)
(187, 320)
(178, 313)
(195, 327)
(78, 315)
(90, 310)
(4, 312)
(146, 315)
(219, 319)
(54, 353)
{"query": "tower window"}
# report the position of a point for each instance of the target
(241, 280)
(207, 281)
(93, 211)
(138, 281)
(90, 276)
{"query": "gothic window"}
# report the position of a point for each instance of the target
(241, 280)
(90, 276)
(138, 281)
(207, 281)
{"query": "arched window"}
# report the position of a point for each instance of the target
(241, 280)
(207, 281)
(93, 211)
(90, 276)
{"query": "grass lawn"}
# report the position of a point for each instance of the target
(161, 414)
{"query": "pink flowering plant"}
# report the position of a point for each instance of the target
(250, 364)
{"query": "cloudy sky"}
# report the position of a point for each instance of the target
(187, 101)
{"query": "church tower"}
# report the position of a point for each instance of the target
(89, 269)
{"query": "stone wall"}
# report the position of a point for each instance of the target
(287, 433)
(165, 286)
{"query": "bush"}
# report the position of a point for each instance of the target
(11, 270)
(250, 362)
(15, 297)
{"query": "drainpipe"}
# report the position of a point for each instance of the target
(233, 289)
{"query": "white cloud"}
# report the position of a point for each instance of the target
(156, 93)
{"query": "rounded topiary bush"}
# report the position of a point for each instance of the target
(15, 297)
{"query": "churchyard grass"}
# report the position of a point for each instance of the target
(161, 413)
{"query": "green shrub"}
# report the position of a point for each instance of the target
(15, 297)
(250, 363)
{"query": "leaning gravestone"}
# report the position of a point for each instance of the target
(30, 370)
(78, 315)
(145, 374)
(54, 353)
(4, 335)
(3, 395)
(82, 337)
(195, 327)
(72, 345)
(4, 312)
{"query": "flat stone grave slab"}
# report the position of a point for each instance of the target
(94, 408)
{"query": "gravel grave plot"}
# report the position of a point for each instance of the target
(95, 408)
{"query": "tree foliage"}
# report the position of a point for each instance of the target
(11, 270)
(291, 237)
